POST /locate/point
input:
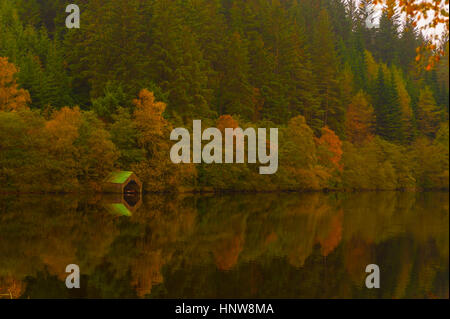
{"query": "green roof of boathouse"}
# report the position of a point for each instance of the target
(118, 177)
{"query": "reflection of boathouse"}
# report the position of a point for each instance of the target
(122, 204)
(125, 190)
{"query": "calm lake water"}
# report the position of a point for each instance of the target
(234, 246)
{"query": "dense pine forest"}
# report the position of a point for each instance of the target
(357, 108)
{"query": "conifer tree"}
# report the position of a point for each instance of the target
(235, 96)
(394, 114)
(387, 37)
(407, 114)
(409, 42)
(325, 71)
(117, 30)
(381, 102)
(177, 64)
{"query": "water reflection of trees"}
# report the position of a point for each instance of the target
(291, 245)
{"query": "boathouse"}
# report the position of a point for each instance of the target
(122, 182)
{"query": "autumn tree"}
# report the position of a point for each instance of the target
(63, 130)
(429, 15)
(329, 149)
(325, 70)
(433, 12)
(226, 121)
(11, 96)
(156, 170)
(81, 149)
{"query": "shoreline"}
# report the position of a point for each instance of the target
(243, 192)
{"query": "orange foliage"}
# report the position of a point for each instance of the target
(432, 13)
(157, 172)
(227, 254)
(147, 270)
(357, 256)
(149, 118)
(11, 97)
(330, 148)
(226, 121)
(63, 127)
(271, 238)
(418, 10)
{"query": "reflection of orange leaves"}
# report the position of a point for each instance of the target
(334, 237)
(227, 254)
(58, 258)
(357, 257)
(273, 237)
(146, 271)
(297, 256)
(403, 277)
(431, 295)
(11, 288)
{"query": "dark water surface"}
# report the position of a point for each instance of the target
(234, 246)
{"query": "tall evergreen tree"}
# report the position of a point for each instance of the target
(394, 113)
(324, 61)
(387, 106)
(235, 93)
(177, 63)
(387, 35)
(111, 46)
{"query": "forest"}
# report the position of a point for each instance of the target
(357, 108)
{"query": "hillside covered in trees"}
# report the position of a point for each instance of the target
(357, 108)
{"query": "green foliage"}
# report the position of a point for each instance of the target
(114, 98)
(40, 59)
(124, 134)
(387, 107)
